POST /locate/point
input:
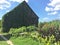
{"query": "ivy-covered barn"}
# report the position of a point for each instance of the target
(22, 15)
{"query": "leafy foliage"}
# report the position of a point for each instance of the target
(46, 34)
(50, 28)
(22, 30)
(0, 24)
(31, 28)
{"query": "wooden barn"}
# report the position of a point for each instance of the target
(22, 15)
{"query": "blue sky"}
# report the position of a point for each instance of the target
(46, 10)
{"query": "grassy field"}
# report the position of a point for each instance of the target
(3, 43)
(23, 41)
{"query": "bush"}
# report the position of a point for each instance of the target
(31, 28)
(22, 30)
(0, 24)
(45, 27)
(12, 30)
(16, 31)
(35, 35)
(50, 28)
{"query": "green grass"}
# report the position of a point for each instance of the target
(3, 43)
(24, 41)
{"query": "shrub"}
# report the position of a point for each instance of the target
(50, 28)
(15, 31)
(12, 30)
(45, 27)
(22, 30)
(35, 35)
(31, 28)
(0, 24)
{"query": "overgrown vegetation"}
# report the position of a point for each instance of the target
(51, 28)
(0, 26)
(47, 33)
(22, 31)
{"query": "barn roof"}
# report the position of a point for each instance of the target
(25, 4)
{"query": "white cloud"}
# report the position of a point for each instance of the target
(0, 18)
(53, 13)
(18, 1)
(48, 9)
(7, 10)
(57, 7)
(45, 19)
(54, 2)
(53, 6)
(4, 4)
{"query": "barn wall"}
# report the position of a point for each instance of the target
(22, 15)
